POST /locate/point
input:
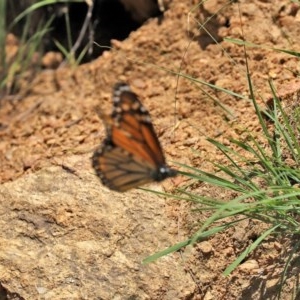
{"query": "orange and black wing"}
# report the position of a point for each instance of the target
(131, 154)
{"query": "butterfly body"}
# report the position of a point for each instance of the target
(131, 154)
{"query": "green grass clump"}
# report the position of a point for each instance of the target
(262, 175)
(13, 69)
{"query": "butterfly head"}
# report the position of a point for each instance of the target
(164, 172)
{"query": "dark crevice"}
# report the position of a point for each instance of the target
(6, 295)
(110, 20)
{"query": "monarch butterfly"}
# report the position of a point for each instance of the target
(131, 154)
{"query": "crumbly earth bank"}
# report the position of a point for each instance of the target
(65, 236)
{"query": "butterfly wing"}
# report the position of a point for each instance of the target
(134, 131)
(131, 155)
(119, 170)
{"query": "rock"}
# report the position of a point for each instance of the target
(64, 236)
